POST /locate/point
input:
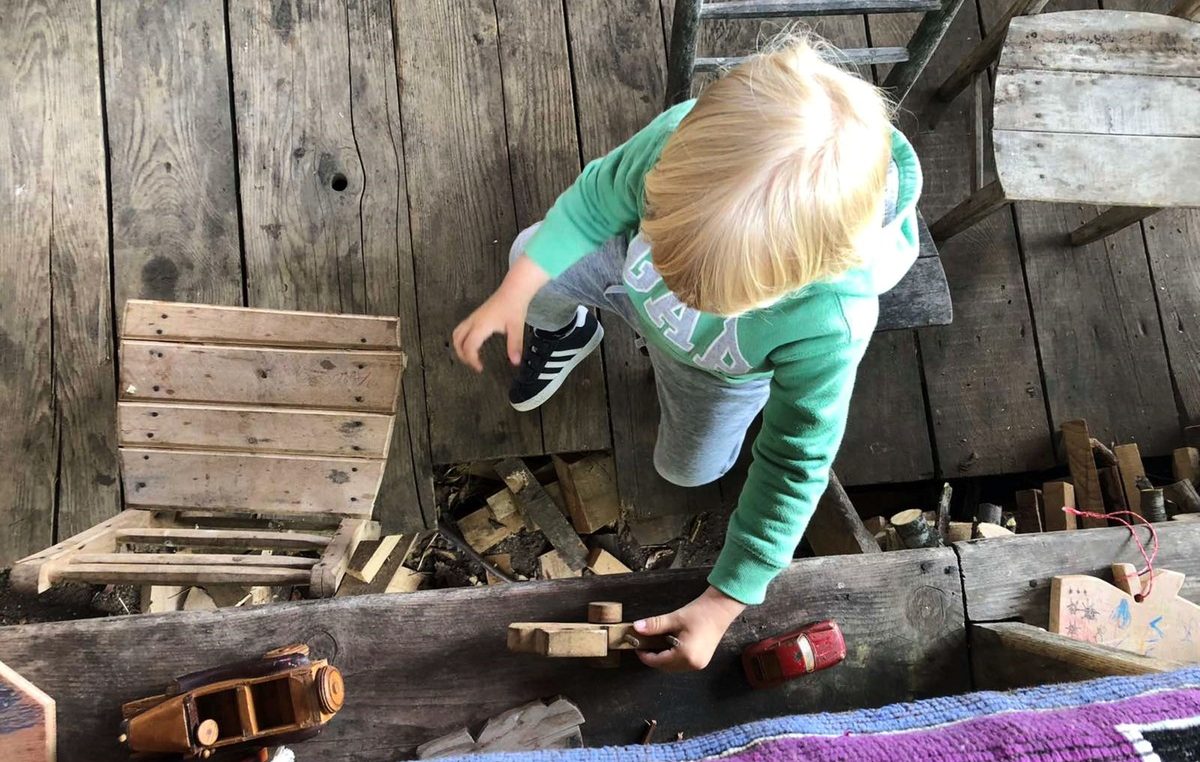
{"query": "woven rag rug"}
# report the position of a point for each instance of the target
(1151, 718)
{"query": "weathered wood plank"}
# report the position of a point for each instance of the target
(194, 559)
(254, 429)
(174, 192)
(462, 217)
(847, 56)
(367, 381)
(1110, 103)
(617, 96)
(736, 9)
(175, 574)
(902, 611)
(1172, 238)
(920, 299)
(223, 538)
(249, 483)
(1011, 579)
(1110, 221)
(207, 324)
(55, 308)
(1103, 41)
(543, 148)
(1061, 167)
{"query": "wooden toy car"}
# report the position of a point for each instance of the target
(284, 697)
(776, 660)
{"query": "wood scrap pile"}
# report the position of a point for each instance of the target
(536, 725)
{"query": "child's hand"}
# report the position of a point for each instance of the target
(699, 626)
(503, 312)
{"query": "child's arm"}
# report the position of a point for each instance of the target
(503, 312)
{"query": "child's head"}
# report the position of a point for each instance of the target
(772, 182)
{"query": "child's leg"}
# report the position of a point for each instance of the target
(584, 283)
(703, 421)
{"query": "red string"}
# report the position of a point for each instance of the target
(1147, 557)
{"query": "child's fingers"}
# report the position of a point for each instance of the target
(667, 661)
(515, 333)
(658, 625)
(471, 346)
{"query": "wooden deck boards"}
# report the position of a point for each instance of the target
(380, 157)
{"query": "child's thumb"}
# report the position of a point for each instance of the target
(657, 625)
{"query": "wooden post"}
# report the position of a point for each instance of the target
(1110, 221)
(681, 57)
(1129, 460)
(1078, 444)
(1029, 511)
(836, 528)
(921, 45)
(914, 530)
(1154, 508)
(1056, 497)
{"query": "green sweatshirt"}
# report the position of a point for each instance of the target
(809, 344)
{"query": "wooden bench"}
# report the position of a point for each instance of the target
(240, 430)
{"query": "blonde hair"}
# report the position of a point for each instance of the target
(771, 182)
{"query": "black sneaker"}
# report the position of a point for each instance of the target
(550, 357)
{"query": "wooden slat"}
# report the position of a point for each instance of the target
(1061, 167)
(175, 574)
(330, 379)
(543, 148)
(193, 559)
(901, 611)
(462, 219)
(56, 376)
(174, 187)
(1172, 238)
(847, 56)
(1104, 41)
(249, 483)
(739, 9)
(984, 420)
(1108, 103)
(222, 538)
(1011, 579)
(206, 324)
(250, 429)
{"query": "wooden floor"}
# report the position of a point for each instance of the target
(367, 156)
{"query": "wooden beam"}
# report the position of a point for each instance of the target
(1078, 445)
(1110, 221)
(181, 574)
(1055, 497)
(543, 512)
(335, 560)
(836, 528)
(222, 538)
(980, 204)
(1129, 460)
(902, 612)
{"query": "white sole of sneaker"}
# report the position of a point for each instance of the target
(540, 398)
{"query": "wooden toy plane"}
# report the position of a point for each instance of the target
(604, 635)
(1161, 625)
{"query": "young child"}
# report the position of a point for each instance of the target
(746, 235)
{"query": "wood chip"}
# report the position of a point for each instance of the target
(601, 561)
(481, 532)
(551, 565)
(503, 503)
(405, 580)
(988, 531)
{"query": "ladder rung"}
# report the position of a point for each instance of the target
(742, 9)
(851, 56)
(222, 538)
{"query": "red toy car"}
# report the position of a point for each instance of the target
(776, 660)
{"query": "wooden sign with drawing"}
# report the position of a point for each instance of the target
(1162, 625)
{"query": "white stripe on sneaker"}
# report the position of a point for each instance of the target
(565, 352)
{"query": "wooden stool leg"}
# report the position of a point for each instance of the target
(981, 203)
(1110, 221)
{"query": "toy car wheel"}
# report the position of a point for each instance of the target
(207, 732)
(330, 689)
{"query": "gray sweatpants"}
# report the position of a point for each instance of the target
(703, 419)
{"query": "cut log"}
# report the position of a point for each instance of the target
(1082, 463)
(914, 530)
(1029, 511)
(1129, 460)
(538, 506)
(600, 561)
(552, 565)
(835, 528)
(1183, 494)
(589, 488)
(1057, 496)
(1185, 464)
(1154, 505)
(959, 531)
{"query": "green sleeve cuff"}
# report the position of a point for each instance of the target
(742, 575)
(557, 245)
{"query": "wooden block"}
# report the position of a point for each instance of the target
(481, 532)
(1129, 460)
(155, 599)
(1056, 496)
(1153, 505)
(1087, 608)
(538, 507)
(502, 504)
(914, 529)
(960, 531)
(589, 488)
(551, 565)
(405, 580)
(27, 720)
(254, 429)
(559, 643)
(1029, 511)
(1078, 445)
(1185, 464)
(601, 561)
(381, 554)
(250, 483)
(335, 559)
(988, 531)
(325, 379)
(536, 725)
(198, 599)
(875, 524)
(207, 324)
